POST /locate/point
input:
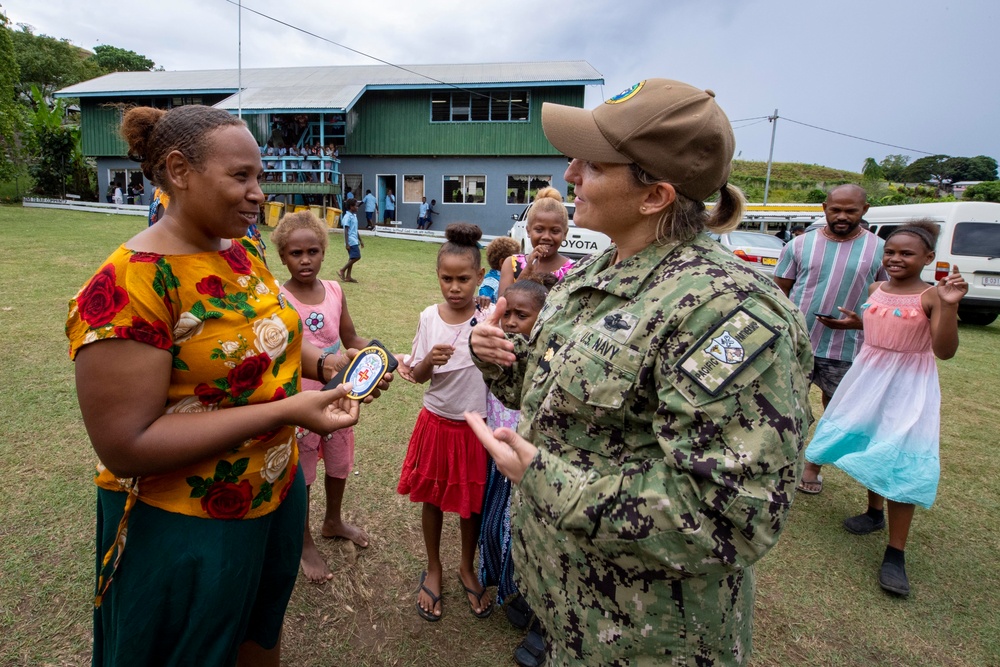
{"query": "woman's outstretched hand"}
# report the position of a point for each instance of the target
(512, 453)
(323, 411)
(487, 340)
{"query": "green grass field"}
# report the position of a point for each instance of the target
(818, 602)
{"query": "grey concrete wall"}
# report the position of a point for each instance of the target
(494, 216)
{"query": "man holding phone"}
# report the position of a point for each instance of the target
(825, 273)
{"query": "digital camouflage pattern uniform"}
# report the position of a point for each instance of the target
(668, 398)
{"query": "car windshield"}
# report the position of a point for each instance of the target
(755, 240)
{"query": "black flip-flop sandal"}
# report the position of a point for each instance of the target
(485, 613)
(435, 601)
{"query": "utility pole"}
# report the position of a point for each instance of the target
(770, 156)
(239, 62)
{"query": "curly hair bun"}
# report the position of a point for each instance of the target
(137, 128)
(549, 193)
(546, 280)
(463, 233)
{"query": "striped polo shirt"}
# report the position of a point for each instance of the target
(828, 274)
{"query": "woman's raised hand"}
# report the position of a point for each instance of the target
(512, 453)
(487, 340)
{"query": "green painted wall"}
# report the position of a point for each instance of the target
(99, 125)
(384, 123)
(100, 121)
(398, 123)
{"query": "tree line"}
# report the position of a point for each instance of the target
(38, 138)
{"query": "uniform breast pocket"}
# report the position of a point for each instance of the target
(585, 406)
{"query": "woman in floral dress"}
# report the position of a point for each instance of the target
(188, 370)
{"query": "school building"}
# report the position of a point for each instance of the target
(466, 135)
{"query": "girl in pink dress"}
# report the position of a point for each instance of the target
(882, 425)
(301, 240)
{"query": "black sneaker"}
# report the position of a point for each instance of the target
(892, 578)
(863, 524)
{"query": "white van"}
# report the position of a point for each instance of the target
(579, 241)
(970, 238)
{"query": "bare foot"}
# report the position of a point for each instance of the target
(430, 584)
(479, 602)
(313, 564)
(332, 529)
(341, 274)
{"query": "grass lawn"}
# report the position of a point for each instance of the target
(818, 601)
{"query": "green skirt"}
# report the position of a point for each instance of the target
(190, 590)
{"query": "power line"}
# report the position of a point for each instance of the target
(746, 119)
(756, 122)
(844, 134)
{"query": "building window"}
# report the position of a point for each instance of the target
(130, 182)
(522, 188)
(353, 183)
(413, 189)
(480, 106)
(464, 190)
(184, 101)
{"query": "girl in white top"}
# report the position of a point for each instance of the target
(445, 466)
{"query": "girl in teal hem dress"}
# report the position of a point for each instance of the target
(882, 426)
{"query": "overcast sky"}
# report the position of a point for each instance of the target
(917, 74)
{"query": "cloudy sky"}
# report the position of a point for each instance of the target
(917, 74)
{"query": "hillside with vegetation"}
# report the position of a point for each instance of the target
(791, 182)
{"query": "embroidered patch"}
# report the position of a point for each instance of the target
(619, 325)
(626, 94)
(365, 371)
(732, 344)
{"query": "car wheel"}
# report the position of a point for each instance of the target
(979, 319)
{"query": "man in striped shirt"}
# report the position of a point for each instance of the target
(825, 273)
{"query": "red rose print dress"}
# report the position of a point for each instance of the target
(234, 342)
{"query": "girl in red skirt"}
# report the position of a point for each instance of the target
(445, 466)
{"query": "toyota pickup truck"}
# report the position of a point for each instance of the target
(579, 242)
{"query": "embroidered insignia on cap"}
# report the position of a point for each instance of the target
(722, 354)
(626, 94)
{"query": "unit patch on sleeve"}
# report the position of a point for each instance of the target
(732, 345)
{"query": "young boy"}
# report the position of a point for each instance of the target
(352, 241)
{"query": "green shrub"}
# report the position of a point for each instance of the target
(988, 191)
(815, 196)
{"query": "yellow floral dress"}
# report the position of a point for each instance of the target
(235, 341)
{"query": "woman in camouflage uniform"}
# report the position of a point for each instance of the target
(663, 398)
